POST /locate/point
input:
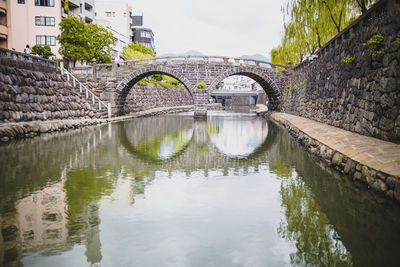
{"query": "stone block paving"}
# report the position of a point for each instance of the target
(375, 153)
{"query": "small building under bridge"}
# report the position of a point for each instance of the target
(239, 98)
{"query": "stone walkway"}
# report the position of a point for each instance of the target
(377, 154)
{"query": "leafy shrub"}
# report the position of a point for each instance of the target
(201, 85)
(348, 59)
(157, 77)
(43, 51)
(375, 45)
(173, 82)
(289, 88)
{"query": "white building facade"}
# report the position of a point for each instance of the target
(116, 17)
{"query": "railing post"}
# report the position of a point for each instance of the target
(68, 77)
(93, 99)
(74, 82)
(62, 67)
(87, 94)
(94, 74)
(99, 105)
(113, 67)
(80, 87)
(109, 110)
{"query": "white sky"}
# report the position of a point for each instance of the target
(213, 27)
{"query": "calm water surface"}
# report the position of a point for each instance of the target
(233, 190)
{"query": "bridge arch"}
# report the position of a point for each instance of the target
(270, 87)
(127, 83)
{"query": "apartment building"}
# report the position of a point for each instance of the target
(144, 36)
(35, 22)
(116, 17)
(3, 24)
(32, 22)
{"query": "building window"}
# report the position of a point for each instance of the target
(110, 14)
(44, 2)
(45, 21)
(145, 34)
(21, 1)
(45, 40)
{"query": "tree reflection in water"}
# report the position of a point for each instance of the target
(316, 241)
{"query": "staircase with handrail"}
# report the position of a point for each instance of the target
(85, 92)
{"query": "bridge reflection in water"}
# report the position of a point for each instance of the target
(73, 204)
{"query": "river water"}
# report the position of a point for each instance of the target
(233, 190)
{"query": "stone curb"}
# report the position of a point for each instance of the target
(380, 182)
(11, 131)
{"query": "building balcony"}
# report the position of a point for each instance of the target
(3, 31)
(73, 3)
(89, 4)
(87, 16)
(3, 6)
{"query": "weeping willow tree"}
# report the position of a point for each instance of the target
(308, 24)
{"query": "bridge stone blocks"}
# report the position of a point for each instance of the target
(117, 80)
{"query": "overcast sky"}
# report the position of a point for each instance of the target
(213, 27)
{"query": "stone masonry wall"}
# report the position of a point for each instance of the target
(29, 93)
(147, 96)
(362, 96)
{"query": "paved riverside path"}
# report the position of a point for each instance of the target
(375, 153)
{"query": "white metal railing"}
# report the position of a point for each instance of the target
(88, 93)
(191, 58)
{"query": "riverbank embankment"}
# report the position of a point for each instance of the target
(28, 129)
(365, 159)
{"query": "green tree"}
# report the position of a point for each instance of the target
(136, 51)
(82, 42)
(364, 4)
(99, 42)
(43, 51)
(309, 24)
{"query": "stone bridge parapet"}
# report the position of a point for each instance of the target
(116, 79)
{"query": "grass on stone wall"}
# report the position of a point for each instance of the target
(161, 83)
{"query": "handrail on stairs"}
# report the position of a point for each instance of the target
(88, 93)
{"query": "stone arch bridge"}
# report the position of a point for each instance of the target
(117, 79)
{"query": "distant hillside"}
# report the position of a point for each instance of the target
(256, 57)
(188, 53)
(197, 53)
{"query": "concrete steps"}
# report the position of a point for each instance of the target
(103, 114)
